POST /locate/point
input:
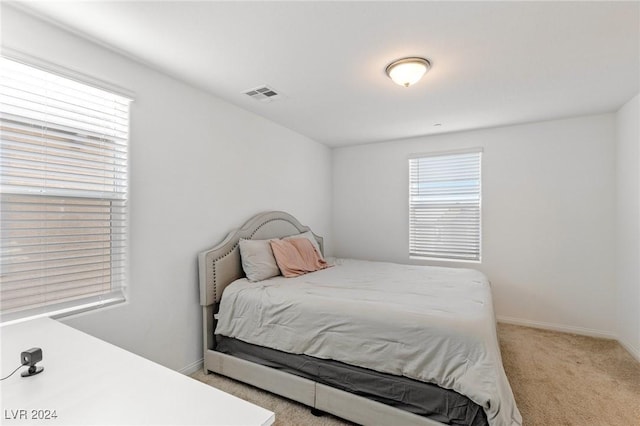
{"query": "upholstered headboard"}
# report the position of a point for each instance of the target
(221, 265)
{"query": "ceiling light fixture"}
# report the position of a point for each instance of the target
(407, 71)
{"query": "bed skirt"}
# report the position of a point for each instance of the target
(424, 399)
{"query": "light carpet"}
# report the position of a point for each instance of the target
(557, 379)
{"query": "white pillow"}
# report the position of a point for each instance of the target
(309, 236)
(258, 262)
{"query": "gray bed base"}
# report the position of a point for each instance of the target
(219, 267)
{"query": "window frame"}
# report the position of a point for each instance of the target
(116, 295)
(416, 156)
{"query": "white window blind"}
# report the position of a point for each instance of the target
(445, 205)
(63, 175)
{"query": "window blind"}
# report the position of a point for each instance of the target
(445, 205)
(63, 176)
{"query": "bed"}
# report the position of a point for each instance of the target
(371, 342)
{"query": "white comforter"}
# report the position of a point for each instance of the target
(427, 323)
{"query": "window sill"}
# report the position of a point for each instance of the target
(64, 309)
(441, 259)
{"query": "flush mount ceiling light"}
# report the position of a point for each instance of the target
(407, 71)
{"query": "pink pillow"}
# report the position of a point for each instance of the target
(296, 256)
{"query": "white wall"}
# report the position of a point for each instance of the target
(199, 167)
(548, 215)
(628, 225)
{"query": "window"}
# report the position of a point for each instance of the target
(444, 206)
(63, 176)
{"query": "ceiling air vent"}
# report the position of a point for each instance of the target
(263, 94)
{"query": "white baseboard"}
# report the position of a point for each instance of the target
(635, 352)
(192, 368)
(558, 327)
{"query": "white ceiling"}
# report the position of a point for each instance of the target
(493, 63)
